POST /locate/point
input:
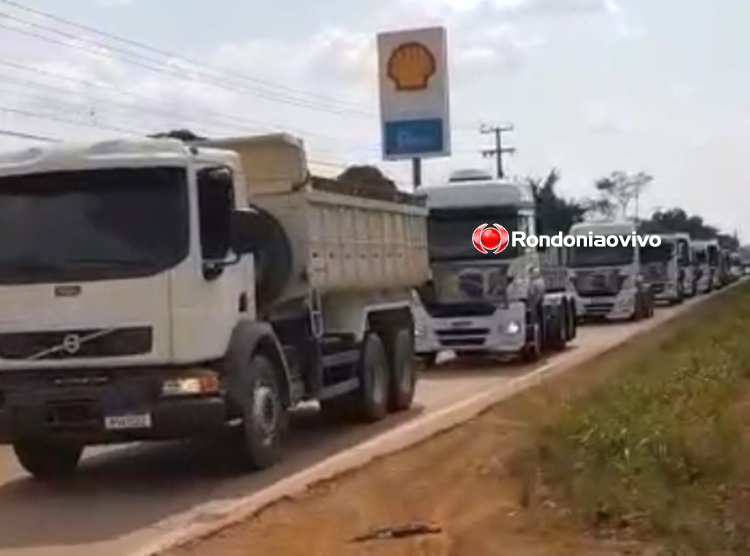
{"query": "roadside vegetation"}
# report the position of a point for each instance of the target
(659, 450)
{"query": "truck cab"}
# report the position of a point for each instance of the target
(668, 268)
(707, 261)
(607, 280)
(735, 266)
(486, 302)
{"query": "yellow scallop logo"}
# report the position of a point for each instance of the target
(411, 66)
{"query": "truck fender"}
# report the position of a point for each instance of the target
(248, 339)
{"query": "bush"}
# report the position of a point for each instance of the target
(659, 448)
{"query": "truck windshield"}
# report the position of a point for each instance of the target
(583, 257)
(450, 233)
(661, 254)
(92, 224)
(701, 257)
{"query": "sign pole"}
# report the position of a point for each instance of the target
(416, 172)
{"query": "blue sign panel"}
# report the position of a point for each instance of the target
(414, 138)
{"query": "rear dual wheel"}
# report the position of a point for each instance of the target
(387, 380)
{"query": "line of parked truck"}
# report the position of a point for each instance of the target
(528, 300)
(168, 288)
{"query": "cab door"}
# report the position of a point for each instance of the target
(209, 295)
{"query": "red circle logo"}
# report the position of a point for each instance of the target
(494, 239)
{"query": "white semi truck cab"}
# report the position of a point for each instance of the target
(487, 303)
(668, 268)
(707, 262)
(152, 289)
(607, 280)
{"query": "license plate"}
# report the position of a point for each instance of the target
(127, 422)
(461, 324)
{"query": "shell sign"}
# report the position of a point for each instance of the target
(414, 103)
(410, 66)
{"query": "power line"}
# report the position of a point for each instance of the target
(22, 135)
(251, 123)
(499, 150)
(97, 125)
(96, 48)
(314, 101)
(164, 52)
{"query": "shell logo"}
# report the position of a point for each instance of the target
(410, 66)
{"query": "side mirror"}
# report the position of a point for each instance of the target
(242, 238)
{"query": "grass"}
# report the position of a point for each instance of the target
(660, 449)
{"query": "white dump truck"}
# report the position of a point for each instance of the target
(506, 303)
(153, 289)
(607, 280)
(668, 268)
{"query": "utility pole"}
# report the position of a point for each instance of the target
(499, 150)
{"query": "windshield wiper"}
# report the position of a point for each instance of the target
(29, 265)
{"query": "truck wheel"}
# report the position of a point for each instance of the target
(369, 402)
(572, 322)
(558, 335)
(403, 376)
(264, 417)
(534, 348)
(48, 459)
(638, 311)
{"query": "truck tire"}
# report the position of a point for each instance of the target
(572, 321)
(403, 376)
(534, 348)
(48, 459)
(639, 310)
(558, 332)
(264, 417)
(369, 402)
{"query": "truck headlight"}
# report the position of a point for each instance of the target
(191, 384)
(513, 328)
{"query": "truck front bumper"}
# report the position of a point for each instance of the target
(619, 307)
(502, 332)
(101, 408)
(666, 291)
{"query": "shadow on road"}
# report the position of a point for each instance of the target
(119, 492)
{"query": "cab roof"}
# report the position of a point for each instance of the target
(480, 193)
(104, 154)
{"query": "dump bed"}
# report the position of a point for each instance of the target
(344, 237)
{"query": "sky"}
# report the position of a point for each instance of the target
(590, 86)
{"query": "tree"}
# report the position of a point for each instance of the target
(617, 191)
(677, 220)
(554, 214)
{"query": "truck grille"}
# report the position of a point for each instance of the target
(598, 284)
(656, 272)
(463, 337)
(68, 344)
(466, 310)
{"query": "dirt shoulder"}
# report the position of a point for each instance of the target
(475, 482)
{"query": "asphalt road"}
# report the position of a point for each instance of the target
(125, 497)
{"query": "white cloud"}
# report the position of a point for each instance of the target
(610, 118)
(114, 3)
(503, 48)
